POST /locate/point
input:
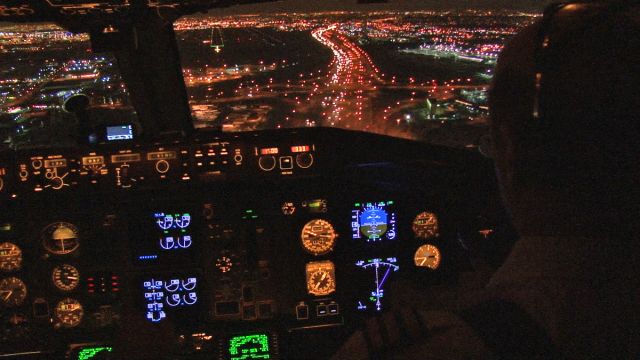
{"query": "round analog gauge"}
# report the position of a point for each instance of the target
(427, 256)
(321, 278)
(425, 225)
(10, 257)
(69, 312)
(288, 208)
(65, 277)
(224, 264)
(318, 237)
(60, 238)
(13, 291)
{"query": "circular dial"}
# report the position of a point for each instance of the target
(224, 264)
(12, 292)
(65, 277)
(60, 238)
(425, 225)
(288, 208)
(318, 237)
(427, 256)
(10, 257)
(69, 312)
(321, 282)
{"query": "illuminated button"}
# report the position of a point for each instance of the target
(267, 163)
(321, 310)
(333, 309)
(286, 162)
(162, 166)
(36, 164)
(302, 312)
(304, 160)
(237, 158)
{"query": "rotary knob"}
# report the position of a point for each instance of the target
(267, 163)
(304, 160)
(162, 166)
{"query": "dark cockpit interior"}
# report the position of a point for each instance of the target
(272, 244)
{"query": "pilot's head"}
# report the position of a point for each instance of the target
(568, 153)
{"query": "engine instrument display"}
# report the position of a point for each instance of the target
(425, 225)
(60, 238)
(69, 312)
(321, 278)
(427, 256)
(174, 228)
(10, 257)
(65, 277)
(373, 221)
(161, 295)
(13, 292)
(166, 237)
(318, 237)
(379, 271)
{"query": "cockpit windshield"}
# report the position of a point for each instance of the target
(420, 74)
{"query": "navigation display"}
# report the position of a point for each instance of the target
(373, 221)
(377, 272)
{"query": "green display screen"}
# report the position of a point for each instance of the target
(91, 352)
(249, 347)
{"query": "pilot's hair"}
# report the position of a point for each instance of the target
(585, 147)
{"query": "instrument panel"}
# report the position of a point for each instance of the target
(242, 259)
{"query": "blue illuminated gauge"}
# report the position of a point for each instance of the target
(174, 233)
(161, 295)
(380, 269)
(177, 242)
(373, 221)
(173, 221)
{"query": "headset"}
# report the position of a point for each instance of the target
(598, 9)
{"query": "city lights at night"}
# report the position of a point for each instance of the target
(420, 75)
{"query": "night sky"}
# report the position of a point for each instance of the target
(320, 5)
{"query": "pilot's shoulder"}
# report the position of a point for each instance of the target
(448, 337)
